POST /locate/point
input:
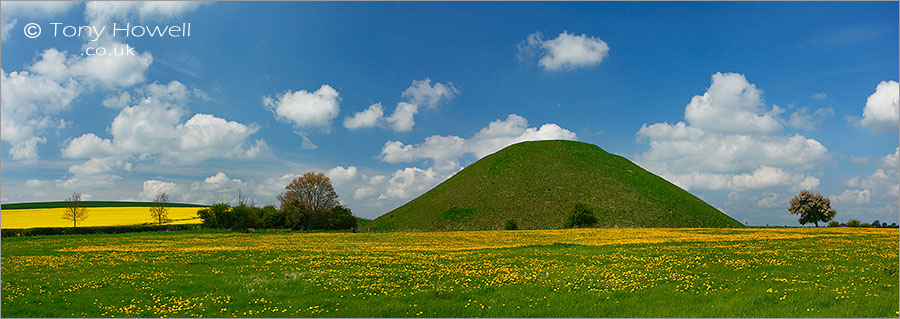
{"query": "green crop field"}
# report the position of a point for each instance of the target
(628, 272)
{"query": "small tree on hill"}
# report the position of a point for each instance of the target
(581, 215)
(74, 210)
(812, 208)
(158, 211)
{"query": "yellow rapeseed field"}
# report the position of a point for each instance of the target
(97, 216)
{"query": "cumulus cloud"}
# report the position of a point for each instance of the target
(306, 109)
(403, 118)
(153, 187)
(771, 200)
(730, 142)
(340, 175)
(853, 196)
(564, 53)
(100, 13)
(369, 117)
(423, 93)
(153, 129)
(445, 151)
(419, 93)
(882, 110)
(731, 104)
(804, 120)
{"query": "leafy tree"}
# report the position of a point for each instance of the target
(216, 216)
(812, 208)
(581, 215)
(74, 210)
(876, 224)
(158, 211)
(853, 223)
(273, 218)
(511, 225)
(834, 223)
(341, 218)
(306, 201)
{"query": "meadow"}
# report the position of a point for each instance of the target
(609, 272)
(97, 216)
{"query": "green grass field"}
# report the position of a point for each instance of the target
(636, 272)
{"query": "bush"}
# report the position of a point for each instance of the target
(876, 224)
(273, 218)
(853, 223)
(341, 218)
(834, 223)
(865, 225)
(581, 215)
(511, 225)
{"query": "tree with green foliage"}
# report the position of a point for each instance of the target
(341, 218)
(307, 199)
(581, 215)
(834, 223)
(158, 211)
(511, 224)
(853, 223)
(812, 208)
(74, 210)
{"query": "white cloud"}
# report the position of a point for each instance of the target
(340, 175)
(730, 143)
(88, 145)
(105, 12)
(112, 70)
(731, 104)
(803, 120)
(882, 110)
(6, 25)
(771, 200)
(36, 9)
(853, 196)
(445, 151)
(410, 181)
(370, 117)
(403, 118)
(819, 96)
(118, 101)
(155, 187)
(306, 109)
(564, 53)
(422, 93)
(891, 161)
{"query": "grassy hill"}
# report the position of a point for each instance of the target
(90, 204)
(535, 183)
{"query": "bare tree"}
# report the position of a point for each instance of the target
(158, 211)
(74, 210)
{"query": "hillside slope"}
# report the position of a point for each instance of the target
(535, 183)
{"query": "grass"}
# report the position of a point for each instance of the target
(35, 205)
(97, 216)
(634, 272)
(536, 183)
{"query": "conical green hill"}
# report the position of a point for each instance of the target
(536, 183)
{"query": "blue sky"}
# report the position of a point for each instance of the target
(743, 104)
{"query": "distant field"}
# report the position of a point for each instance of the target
(628, 272)
(97, 216)
(89, 204)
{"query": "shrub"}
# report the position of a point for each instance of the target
(511, 225)
(273, 218)
(215, 216)
(581, 215)
(853, 223)
(341, 218)
(834, 223)
(865, 225)
(876, 224)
